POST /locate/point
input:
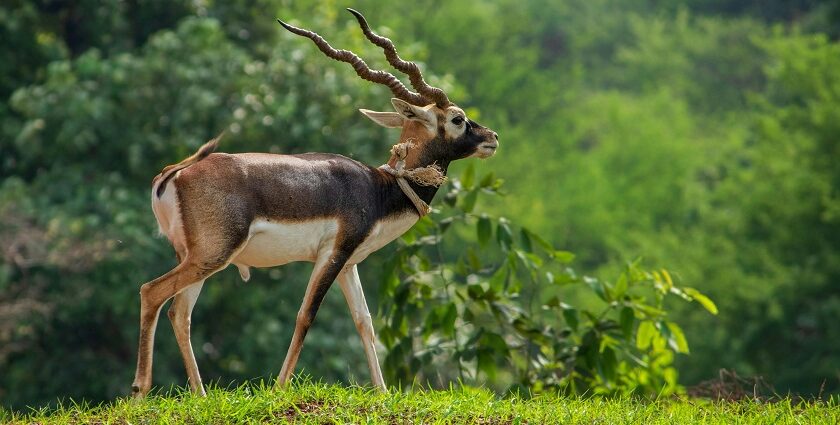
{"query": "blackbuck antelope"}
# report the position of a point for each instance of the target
(263, 210)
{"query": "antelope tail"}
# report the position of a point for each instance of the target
(169, 171)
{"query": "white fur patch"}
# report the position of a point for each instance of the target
(383, 232)
(274, 243)
(454, 131)
(168, 214)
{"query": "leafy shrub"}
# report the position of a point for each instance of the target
(510, 311)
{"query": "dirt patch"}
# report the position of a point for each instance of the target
(729, 386)
(302, 408)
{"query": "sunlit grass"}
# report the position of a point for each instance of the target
(321, 403)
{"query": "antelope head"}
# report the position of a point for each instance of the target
(437, 129)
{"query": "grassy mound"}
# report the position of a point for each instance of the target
(320, 403)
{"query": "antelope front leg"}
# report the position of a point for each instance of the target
(327, 267)
(179, 314)
(351, 286)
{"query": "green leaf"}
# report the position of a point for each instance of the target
(549, 248)
(499, 279)
(484, 230)
(680, 293)
(503, 235)
(529, 260)
(486, 363)
(626, 319)
(468, 177)
(621, 285)
(707, 303)
(468, 204)
(444, 224)
(525, 240)
(608, 364)
(667, 277)
(448, 320)
(607, 342)
(432, 322)
(472, 258)
(598, 287)
(564, 278)
(678, 338)
(495, 341)
(645, 334)
(450, 199)
(571, 317)
(488, 180)
(475, 292)
(564, 257)
(648, 310)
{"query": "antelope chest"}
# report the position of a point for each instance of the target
(383, 232)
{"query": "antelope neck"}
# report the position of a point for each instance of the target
(417, 160)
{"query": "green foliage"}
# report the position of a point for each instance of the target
(691, 56)
(642, 140)
(787, 191)
(509, 311)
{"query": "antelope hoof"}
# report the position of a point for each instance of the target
(136, 392)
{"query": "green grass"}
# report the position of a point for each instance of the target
(320, 403)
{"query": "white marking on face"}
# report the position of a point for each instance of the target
(485, 150)
(455, 123)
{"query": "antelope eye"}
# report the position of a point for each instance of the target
(458, 120)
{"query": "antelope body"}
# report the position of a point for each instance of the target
(265, 210)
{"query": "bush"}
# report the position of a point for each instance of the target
(510, 312)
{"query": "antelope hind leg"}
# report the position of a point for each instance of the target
(180, 313)
(152, 296)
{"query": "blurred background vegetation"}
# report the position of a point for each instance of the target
(701, 135)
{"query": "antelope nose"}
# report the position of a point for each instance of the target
(496, 135)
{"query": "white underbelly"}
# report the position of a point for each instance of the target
(273, 243)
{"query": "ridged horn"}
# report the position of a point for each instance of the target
(432, 94)
(361, 68)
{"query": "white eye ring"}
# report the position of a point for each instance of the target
(458, 120)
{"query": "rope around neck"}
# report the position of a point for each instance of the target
(430, 175)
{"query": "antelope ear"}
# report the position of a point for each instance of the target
(385, 119)
(412, 112)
